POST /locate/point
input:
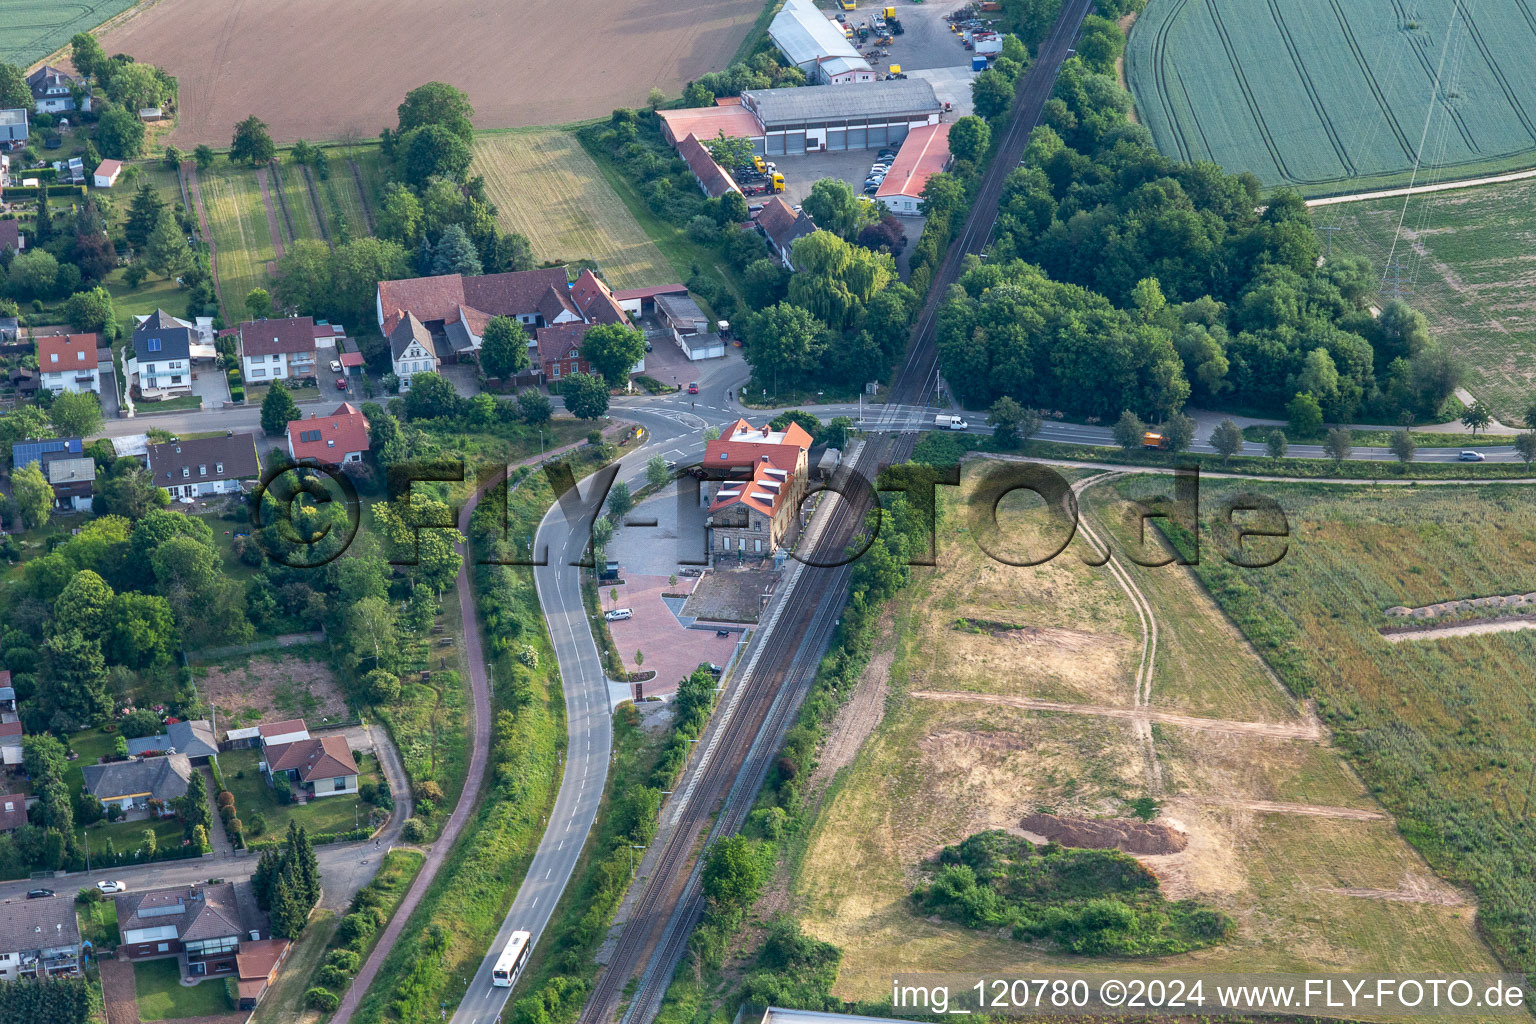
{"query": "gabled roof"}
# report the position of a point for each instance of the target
(556, 343)
(325, 438)
(24, 453)
(27, 925)
(283, 728)
(195, 739)
(198, 912)
(64, 471)
(162, 336)
(164, 778)
(900, 97)
(783, 224)
(202, 457)
(60, 353)
(516, 293)
(13, 811)
(714, 179)
(108, 168)
(291, 334)
(595, 302)
(46, 76)
(767, 460)
(708, 122)
(407, 330)
(314, 758)
(923, 153)
(10, 234)
(629, 294)
(805, 34)
(555, 302)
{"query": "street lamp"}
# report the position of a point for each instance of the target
(632, 849)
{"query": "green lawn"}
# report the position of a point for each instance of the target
(34, 28)
(253, 795)
(1382, 438)
(163, 997)
(98, 924)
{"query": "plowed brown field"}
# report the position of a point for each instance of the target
(326, 70)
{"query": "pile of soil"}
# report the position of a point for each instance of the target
(1124, 834)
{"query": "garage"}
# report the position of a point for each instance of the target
(827, 117)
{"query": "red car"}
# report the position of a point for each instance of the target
(693, 387)
(341, 384)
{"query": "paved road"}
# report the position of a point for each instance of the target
(561, 540)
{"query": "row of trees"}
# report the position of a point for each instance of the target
(287, 883)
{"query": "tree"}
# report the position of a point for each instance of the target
(77, 695)
(656, 471)
(504, 348)
(991, 93)
(86, 54)
(287, 914)
(784, 342)
(1476, 418)
(1011, 422)
(415, 540)
(586, 395)
(1338, 444)
(258, 304)
(400, 217)
(612, 350)
(32, 495)
(144, 213)
(1525, 446)
(193, 806)
(969, 138)
(437, 103)
(34, 274)
(1275, 444)
(278, 409)
(730, 152)
(76, 414)
(619, 501)
(381, 687)
(1129, 430)
(91, 311)
(1402, 445)
(1178, 431)
(252, 143)
(14, 91)
(1227, 439)
(733, 874)
(431, 397)
(534, 407)
(454, 253)
(431, 151)
(166, 252)
(204, 156)
(138, 86)
(372, 631)
(119, 133)
(131, 493)
(833, 206)
(1305, 415)
(141, 630)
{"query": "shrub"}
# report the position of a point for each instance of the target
(331, 976)
(284, 789)
(356, 927)
(226, 799)
(414, 830)
(429, 790)
(322, 999)
(344, 960)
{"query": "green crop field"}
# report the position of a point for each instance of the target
(1338, 95)
(35, 28)
(1466, 261)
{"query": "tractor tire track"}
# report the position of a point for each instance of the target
(362, 194)
(266, 200)
(1370, 79)
(1310, 88)
(1429, 71)
(1498, 73)
(1248, 96)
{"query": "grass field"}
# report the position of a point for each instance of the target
(1468, 260)
(161, 996)
(1335, 96)
(548, 188)
(936, 769)
(35, 28)
(1441, 730)
(237, 219)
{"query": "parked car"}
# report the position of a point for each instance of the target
(886, 154)
(716, 669)
(619, 614)
(335, 365)
(341, 384)
(693, 387)
(111, 887)
(1470, 456)
(39, 894)
(722, 632)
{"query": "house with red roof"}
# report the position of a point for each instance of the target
(595, 301)
(758, 478)
(340, 437)
(67, 362)
(283, 348)
(923, 153)
(559, 350)
(315, 766)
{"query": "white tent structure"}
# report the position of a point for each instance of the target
(817, 46)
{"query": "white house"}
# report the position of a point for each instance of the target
(106, 173)
(67, 362)
(411, 350)
(39, 938)
(162, 356)
(53, 91)
(202, 466)
(279, 349)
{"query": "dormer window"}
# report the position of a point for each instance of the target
(152, 345)
(185, 472)
(218, 467)
(53, 357)
(202, 470)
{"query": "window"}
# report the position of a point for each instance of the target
(186, 471)
(163, 948)
(152, 345)
(176, 379)
(53, 357)
(202, 469)
(218, 467)
(341, 785)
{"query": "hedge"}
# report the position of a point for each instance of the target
(30, 191)
(355, 835)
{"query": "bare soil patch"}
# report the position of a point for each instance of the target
(1306, 731)
(272, 687)
(858, 718)
(516, 61)
(1124, 834)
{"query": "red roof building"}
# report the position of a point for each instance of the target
(338, 438)
(559, 350)
(68, 362)
(323, 766)
(713, 178)
(736, 121)
(924, 153)
(753, 509)
(595, 301)
(523, 295)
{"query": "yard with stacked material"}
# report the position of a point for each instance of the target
(1466, 261)
(1012, 703)
(35, 28)
(548, 189)
(1335, 96)
(1443, 730)
(519, 63)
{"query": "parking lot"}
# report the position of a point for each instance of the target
(805, 169)
(926, 43)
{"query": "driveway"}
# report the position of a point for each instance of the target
(211, 383)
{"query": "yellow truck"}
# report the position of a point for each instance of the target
(849, 5)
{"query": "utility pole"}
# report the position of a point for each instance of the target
(1328, 231)
(1395, 284)
(632, 849)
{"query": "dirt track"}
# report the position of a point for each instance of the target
(1136, 714)
(323, 71)
(1508, 625)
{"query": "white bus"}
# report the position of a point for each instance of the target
(510, 964)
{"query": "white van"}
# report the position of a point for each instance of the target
(619, 614)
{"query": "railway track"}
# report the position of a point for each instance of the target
(745, 735)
